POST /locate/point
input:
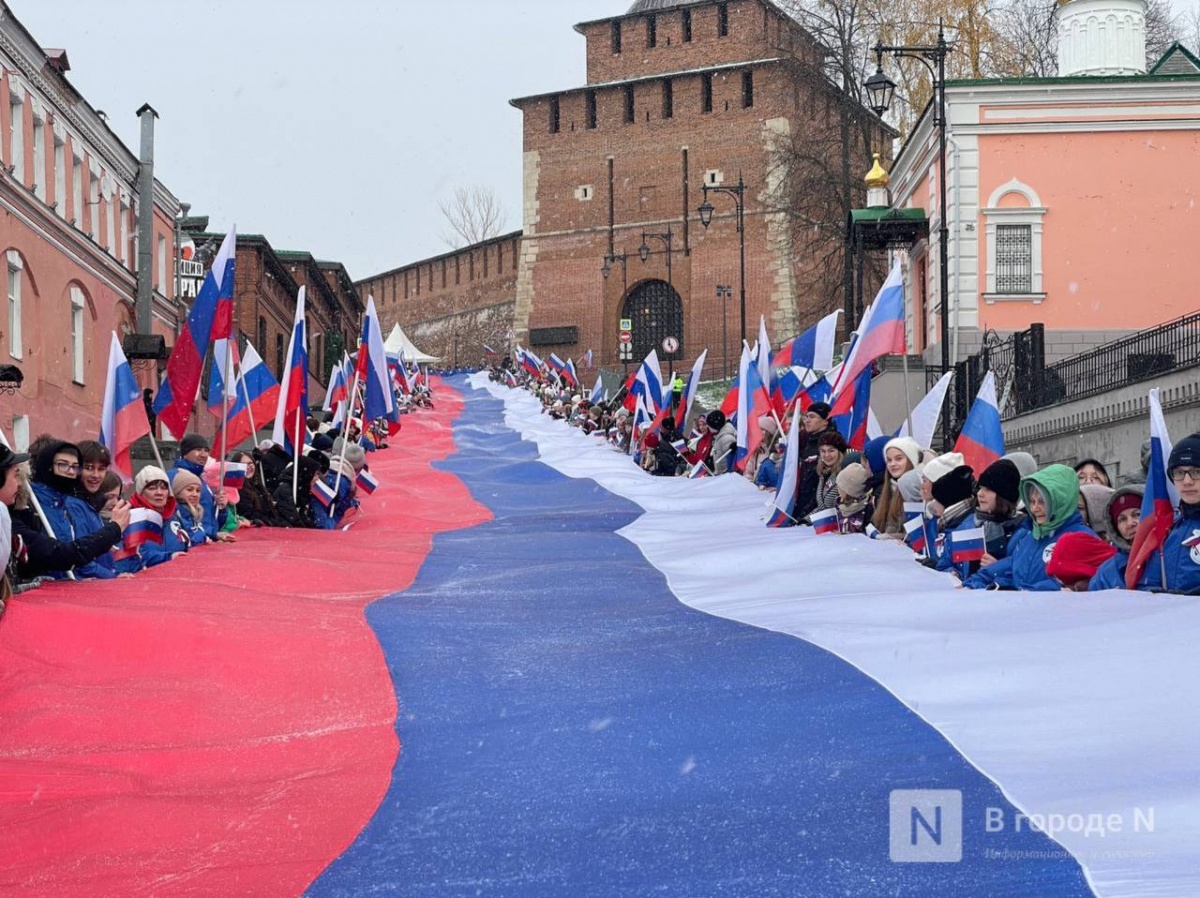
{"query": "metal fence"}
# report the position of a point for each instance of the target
(1025, 383)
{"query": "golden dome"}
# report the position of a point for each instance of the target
(877, 177)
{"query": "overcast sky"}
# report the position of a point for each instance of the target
(329, 127)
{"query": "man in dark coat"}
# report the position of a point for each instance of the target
(815, 422)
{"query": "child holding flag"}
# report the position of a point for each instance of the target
(1179, 557)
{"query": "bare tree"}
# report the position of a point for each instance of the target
(473, 214)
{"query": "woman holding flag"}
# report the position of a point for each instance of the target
(1176, 566)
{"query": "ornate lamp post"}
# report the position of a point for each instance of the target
(880, 91)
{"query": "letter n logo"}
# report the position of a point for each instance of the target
(925, 826)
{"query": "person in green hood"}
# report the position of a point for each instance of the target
(1051, 497)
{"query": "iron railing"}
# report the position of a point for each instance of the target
(1146, 354)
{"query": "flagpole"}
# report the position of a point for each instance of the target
(299, 450)
(228, 362)
(337, 480)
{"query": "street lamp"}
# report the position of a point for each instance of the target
(724, 293)
(880, 91)
(706, 213)
(612, 259)
(667, 237)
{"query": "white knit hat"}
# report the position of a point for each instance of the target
(149, 474)
(942, 465)
(908, 446)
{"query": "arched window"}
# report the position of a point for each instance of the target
(656, 312)
(1013, 226)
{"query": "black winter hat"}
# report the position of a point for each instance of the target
(1003, 478)
(1185, 454)
(821, 408)
(834, 439)
(952, 488)
(715, 419)
(9, 459)
(191, 442)
(322, 442)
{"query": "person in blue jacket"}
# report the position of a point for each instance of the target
(1124, 510)
(193, 453)
(57, 487)
(152, 489)
(1180, 558)
(1051, 499)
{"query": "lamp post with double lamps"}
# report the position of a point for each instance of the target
(880, 91)
(706, 213)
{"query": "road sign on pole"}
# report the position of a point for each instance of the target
(626, 324)
(626, 337)
(670, 345)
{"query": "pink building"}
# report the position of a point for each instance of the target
(1069, 199)
(69, 237)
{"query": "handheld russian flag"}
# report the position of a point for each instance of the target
(763, 359)
(753, 403)
(913, 510)
(224, 360)
(700, 469)
(648, 383)
(597, 394)
(1158, 502)
(967, 545)
(853, 424)
(366, 482)
(323, 492)
(587, 359)
(145, 526)
(928, 412)
(982, 439)
(339, 386)
(914, 534)
(570, 374)
(531, 362)
(825, 521)
(872, 531)
(235, 475)
(291, 411)
(123, 418)
(509, 378)
(379, 401)
(880, 333)
(210, 317)
(814, 348)
(487, 350)
(690, 390)
(785, 495)
(257, 398)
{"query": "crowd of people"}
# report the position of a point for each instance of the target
(66, 514)
(1043, 528)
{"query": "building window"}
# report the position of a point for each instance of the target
(722, 20)
(161, 268)
(1013, 218)
(471, 266)
(747, 89)
(555, 121)
(668, 89)
(590, 102)
(16, 138)
(20, 432)
(485, 262)
(94, 205)
(60, 176)
(1014, 259)
(499, 258)
(110, 227)
(262, 332)
(616, 36)
(687, 26)
(125, 231)
(78, 303)
(458, 269)
(443, 274)
(279, 356)
(629, 104)
(76, 186)
(651, 31)
(14, 303)
(706, 92)
(39, 156)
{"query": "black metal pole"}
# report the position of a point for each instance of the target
(725, 334)
(944, 229)
(741, 226)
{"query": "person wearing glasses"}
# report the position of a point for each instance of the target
(1180, 558)
(57, 485)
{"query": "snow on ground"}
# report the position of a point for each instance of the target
(1074, 704)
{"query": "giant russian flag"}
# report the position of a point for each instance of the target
(123, 415)
(256, 400)
(880, 333)
(210, 317)
(982, 439)
(785, 495)
(814, 348)
(1158, 502)
(292, 407)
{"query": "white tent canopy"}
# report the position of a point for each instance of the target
(398, 341)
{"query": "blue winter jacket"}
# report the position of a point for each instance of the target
(212, 520)
(1111, 574)
(330, 518)
(71, 518)
(1025, 566)
(768, 474)
(1181, 554)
